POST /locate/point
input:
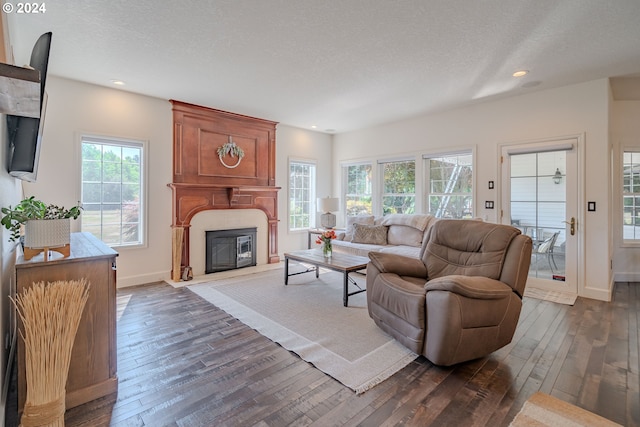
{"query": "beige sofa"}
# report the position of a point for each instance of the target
(461, 300)
(400, 234)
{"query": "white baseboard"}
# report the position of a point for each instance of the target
(598, 294)
(143, 279)
(627, 277)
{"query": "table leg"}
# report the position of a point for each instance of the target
(286, 271)
(345, 297)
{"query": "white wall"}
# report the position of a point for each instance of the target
(75, 108)
(570, 110)
(300, 144)
(10, 194)
(625, 133)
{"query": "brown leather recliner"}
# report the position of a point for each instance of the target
(461, 300)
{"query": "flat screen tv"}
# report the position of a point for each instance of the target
(25, 133)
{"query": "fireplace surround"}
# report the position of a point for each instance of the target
(203, 180)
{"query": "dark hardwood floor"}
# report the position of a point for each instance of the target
(184, 362)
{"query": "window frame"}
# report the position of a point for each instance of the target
(627, 150)
(345, 185)
(143, 217)
(427, 157)
(381, 193)
(313, 190)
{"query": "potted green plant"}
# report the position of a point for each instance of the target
(45, 226)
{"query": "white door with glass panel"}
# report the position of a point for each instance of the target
(540, 195)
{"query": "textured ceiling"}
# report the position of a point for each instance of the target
(337, 64)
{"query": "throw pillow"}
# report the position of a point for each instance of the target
(404, 235)
(370, 234)
(356, 219)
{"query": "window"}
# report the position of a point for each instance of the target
(398, 187)
(357, 192)
(631, 195)
(302, 195)
(112, 190)
(450, 185)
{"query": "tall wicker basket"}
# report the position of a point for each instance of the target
(50, 316)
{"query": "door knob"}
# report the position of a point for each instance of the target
(572, 224)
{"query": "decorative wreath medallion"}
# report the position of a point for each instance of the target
(230, 148)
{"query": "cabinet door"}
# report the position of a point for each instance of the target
(93, 365)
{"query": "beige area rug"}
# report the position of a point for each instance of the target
(544, 410)
(307, 317)
(553, 296)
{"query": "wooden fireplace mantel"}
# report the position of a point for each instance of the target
(204, 179)
(189, 199)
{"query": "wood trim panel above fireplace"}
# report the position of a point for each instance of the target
(200, 131)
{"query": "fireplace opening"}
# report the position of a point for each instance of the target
(230, 249)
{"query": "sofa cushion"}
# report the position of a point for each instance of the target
(404, 250)
(370, 234)
(357, 219)
(359, 249)
(418, 221)
(404, 235)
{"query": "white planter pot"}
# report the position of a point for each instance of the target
(47, 233)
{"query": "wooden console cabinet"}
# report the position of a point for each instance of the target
(92, 372)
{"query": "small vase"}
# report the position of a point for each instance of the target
(327, 250)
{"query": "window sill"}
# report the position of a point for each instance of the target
(630, 244)
(128, 247)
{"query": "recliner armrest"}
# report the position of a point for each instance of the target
(398, 264)
(477, 287)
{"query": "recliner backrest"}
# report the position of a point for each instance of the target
(467, 247)
(516, 265)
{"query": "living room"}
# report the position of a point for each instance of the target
(593, 111)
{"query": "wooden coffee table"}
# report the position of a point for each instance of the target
(342, 263)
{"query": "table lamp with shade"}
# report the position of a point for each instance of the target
(327, 205)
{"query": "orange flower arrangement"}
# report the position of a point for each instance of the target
(325, 239)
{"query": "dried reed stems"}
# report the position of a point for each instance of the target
(50, 317)
(178, 234)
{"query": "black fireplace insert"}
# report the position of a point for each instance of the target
(230, 249)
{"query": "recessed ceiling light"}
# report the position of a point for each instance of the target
(520, 73)
(314, 127)
(117, 82)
